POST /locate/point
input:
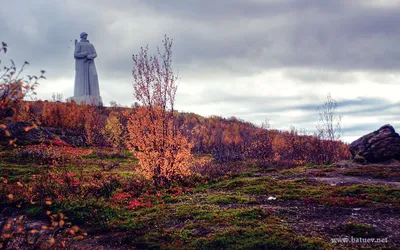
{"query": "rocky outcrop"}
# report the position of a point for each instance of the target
(27, 134)
(24, 133)
(378, 146)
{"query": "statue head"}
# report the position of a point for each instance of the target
(84, 35)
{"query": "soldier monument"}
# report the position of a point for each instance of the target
(86, 89)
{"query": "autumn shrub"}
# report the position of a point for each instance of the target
(94, 124)
(154, 135)
(113, 132)
(53, 184)
(205, 169)
(66, 116)
(57, 184)
(130, 202)
(42, 154)
(14, 87)
(134, 185)
(51, 152)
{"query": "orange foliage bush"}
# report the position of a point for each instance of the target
(13, 87)
(163, 153)
(155, 137)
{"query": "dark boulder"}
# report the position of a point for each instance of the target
(77, 141)
(378, 146)
(24, 133)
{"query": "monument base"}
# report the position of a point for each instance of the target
(87, 99)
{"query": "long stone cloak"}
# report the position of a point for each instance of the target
(86, 79)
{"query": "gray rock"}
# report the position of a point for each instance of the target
(16, 130)
(378, 146)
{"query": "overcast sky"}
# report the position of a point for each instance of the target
(252, 59)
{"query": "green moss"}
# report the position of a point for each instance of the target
(92, 213)
(261, 237)
(36, 211)
(227, 199)
(256, 189)
(371, 192)
(374, 172)
(287, 172)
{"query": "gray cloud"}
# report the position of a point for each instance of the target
(242, 36)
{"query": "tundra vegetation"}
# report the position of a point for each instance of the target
(149, 177)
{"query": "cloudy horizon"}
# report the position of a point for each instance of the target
(257, 60)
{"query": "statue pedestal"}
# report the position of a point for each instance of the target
(87, 99)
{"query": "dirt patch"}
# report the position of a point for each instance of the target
(323, 221)
(349, 180)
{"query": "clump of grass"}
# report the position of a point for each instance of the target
(254, 189)
(230, 199)
(359, 230)
(374, 172)
(260, 237)
(371, 192)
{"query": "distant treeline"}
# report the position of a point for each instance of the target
(226, 139)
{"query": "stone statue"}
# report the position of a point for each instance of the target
(86, 81)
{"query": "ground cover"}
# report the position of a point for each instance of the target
(95, 199)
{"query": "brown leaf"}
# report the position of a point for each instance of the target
(80, 237)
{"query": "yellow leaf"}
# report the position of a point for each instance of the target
(61, 223)
(48, 212)
(75, 228)
(20, 184)
(12, 141)
(70, 231)
(52, 241)
(48, 202)
(80, 237)
(8, 134)
(20, 219)
(33, 231)
(44, 227)
(10, 196)
(8, 225)
(3, 126)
